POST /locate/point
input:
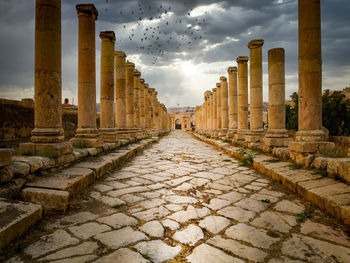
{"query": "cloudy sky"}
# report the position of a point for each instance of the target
(181, 47)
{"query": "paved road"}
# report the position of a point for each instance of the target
(184, 201)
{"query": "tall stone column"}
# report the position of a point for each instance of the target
(149, 106)
(107, 128)
(232, 124)
(224, 106)
(47, 135)
(207, 110)
(212, 124)
(310, 134)
(256, 131)
(276, 135)
(215, 111)
(130, 98)
(142, 105)
(242, 98)
(87, 133)
(218, 112)
(120, 91)
(137, 114)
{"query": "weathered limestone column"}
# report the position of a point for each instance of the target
(152, 110)
(87, 133)
(224, 107)
(276, 135)
(205, 112)
(242, 98)
(215, 115)
(232, 124)
(256, 92)
(142, 104)
(130, 98)
(149, 107)
(218, 112)
(47, 135)
(310, 136)
(212, 124)
(120, 91)
(107, 127)
(137, 107)
(208, 94)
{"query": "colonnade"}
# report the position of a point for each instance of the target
(129, 108)
(310, 136)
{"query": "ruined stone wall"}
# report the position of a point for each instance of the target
(342, 143)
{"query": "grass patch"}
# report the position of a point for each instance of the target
(247, 160)
(322, 172)
(267, 201)
(274, 160)
(80, 144)
(146, 256)
(116, 206)
(303, 216)
(241, 151)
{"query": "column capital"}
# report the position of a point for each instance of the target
(87, 10)
(242, 59)
(142, 81)
(151, 89)
(146, 85)
(276, 52)
(130, 64)
(108, 35)
(230, 70)
(218, 85)
(222, 78)
(119, 53)
(255, 43)
(214, 89)
(137, 73)
(207, 93)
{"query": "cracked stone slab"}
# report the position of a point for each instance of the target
(130, 190)
(121, 237)
(79, 250)
(178, 199)
(275, 221)
(56, 240)
(232, 196)
(153, 229)
(152, 213)
(208, 175)
(190, 235)
(252, 205)
(237, 213)
(174, 207)
(254, 236)
(214, 224)
(129, 198)
(157, 250)
(190, 213)
(118, 220)
(88, 230)
(123, 255)
(205, 254)
(152, 203)
(238, 249)
(110, 201)
(80, 259)
(289, 207)
(216, 203)
(171, 224)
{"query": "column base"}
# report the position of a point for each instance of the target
(240, 135)
(230, 133)
(223, 134)
(277, 142)
(87, 138)
(52, 150)
(310, 135)
(108, 134)
(255, 135)
(47, 135)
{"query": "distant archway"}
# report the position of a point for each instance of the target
(177, 124)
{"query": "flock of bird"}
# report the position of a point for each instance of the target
(153, 31)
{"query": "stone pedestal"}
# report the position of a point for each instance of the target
(47, 135)
(256, 131)
(87, 134)
(107, 129)
(242, 128)
(233, 107)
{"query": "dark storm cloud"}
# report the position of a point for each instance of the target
(163, 32)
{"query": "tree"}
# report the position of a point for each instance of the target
(292, 113)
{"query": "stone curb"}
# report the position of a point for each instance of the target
(54, 191)
(327, 194)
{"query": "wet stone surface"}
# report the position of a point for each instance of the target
(185, 201)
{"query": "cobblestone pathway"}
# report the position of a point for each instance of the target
(184, 201)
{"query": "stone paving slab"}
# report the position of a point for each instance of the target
(213, 210)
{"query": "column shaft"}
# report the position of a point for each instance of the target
(224, 103)
(120, 90)
(130, 94)
(218, 101)
(242, 95)
(232, 74)
(137, 114)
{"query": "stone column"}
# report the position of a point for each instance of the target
(120, 92)
(215, 111)
(310, 136)
(276, 135)
(232, 76)
(224, 107)
(212, 124)
(137, 114)
(87, 133)
(47, 135)
(218, 107)
(256, 92)
(142, 104)
(107, 128)
(149, 107)
(207, 110)
(242, 129)
(130, 97)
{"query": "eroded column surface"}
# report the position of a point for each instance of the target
(256, 93)
(120, 90)
(87, 132)
(129, 95)
(224, 106)
(137, 114)
(232, 77)
(218, 107)
(142, 104)
(107, 127)
(212, 124)
(242, 98)
(276, 134)
(215, 110)
(310, 71)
